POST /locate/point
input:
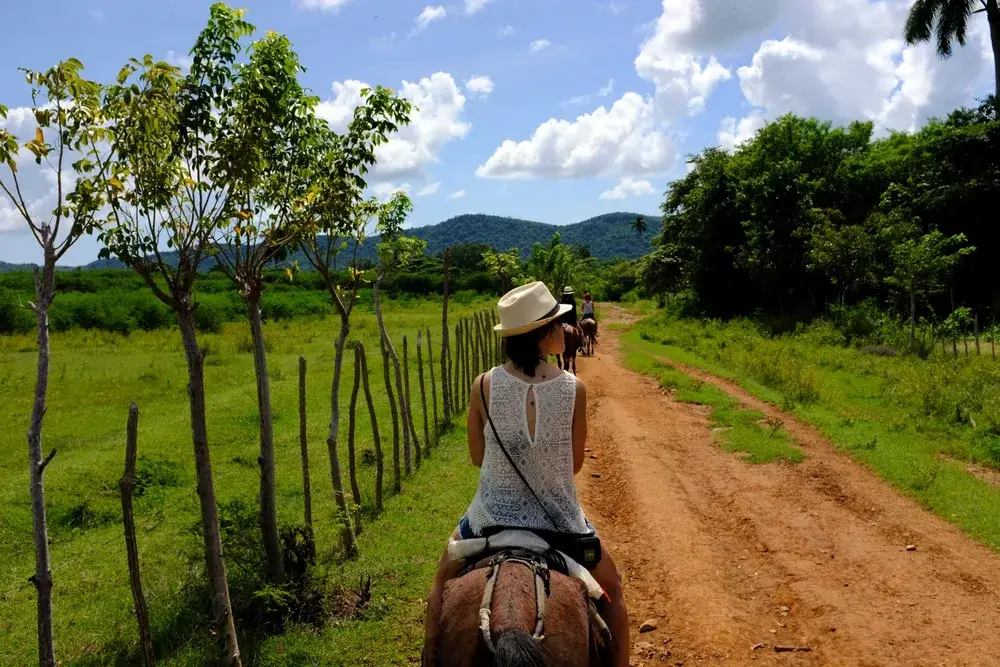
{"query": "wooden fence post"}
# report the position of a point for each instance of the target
(456, 368)
(467, 330)
(397, 483)
(304, 453)
(445, 348)
(379, 459)
(423, 391)
(975, 328)
(125, 485)
(352, 466)
(434, 396)
(409, 406)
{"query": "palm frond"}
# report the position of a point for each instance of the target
(920, 21)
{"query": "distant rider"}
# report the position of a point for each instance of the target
(588, 311)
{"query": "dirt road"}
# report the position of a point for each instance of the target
(728, 556)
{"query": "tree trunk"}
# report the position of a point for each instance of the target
(352, 468)
(423, 391)
(125, 485)
(913, 317)
(347, 534)
(379, 461)
(445, 349)
(975, 330)
(268, 499)
(304, 452)
(396, 473)
(42, 579)
(409, 403)
(403, 407)
(215, 567)
(993, 17)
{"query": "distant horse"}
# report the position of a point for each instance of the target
(512, 610)
(589, 327)
(573, 341)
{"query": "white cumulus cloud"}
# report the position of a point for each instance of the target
(474, 6)
(325, 5)
(437, 119)
(480, 85)
(844, 60)
(429, 189)
(458, 194)
(181, 60)
(733, 132)
(430, 14)
(385, 190)
(505, 31)
(539, 45)
(628, 187)
(623, 140)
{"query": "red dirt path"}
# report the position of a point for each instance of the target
(728, 556)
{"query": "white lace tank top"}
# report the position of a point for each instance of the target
(546, 461)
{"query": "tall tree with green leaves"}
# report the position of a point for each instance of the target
(334, 216)
(639, 225)
(395, 251)
(504, 267)
(947, 21)
(69, 121)
(274, 142)
(552, 264)
(922, 264)
(171, 182)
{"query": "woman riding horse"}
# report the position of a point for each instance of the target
(541, 413)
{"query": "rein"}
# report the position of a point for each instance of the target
(539, 568)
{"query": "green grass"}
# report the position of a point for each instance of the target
(917, 422)
(94, 377)
(735, 429)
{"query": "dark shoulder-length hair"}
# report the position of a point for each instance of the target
(523, 349)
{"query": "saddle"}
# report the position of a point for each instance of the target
(541, 567)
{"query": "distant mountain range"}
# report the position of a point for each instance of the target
(608, 236)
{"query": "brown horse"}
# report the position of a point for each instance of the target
(534, 617)
(571, 335)
(589, 327)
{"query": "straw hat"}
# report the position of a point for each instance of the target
(567, 290)
(526, 308)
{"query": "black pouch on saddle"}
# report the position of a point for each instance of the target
(585, 549)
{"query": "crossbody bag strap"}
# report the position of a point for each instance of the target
(482, 393)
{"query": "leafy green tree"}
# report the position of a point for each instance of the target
(171, 180)
(947, 21)
(503, 266)
(922, 265)
(639, 226)
(553, 265)
(69, 120)
(395, 251)
(844, 254)
(334, 215)
(271, 138)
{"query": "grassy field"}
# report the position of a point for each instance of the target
(930, 427)
(94, 377)
(735, 429)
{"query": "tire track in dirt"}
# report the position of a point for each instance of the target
(728, 556)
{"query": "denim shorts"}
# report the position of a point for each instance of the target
(465, 528)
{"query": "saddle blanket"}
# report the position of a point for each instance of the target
(459, 550)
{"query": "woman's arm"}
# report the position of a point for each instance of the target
(476, 422)
(579, 425)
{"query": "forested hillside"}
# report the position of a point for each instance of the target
(608, 236)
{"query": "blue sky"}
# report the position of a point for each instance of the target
(551, 110)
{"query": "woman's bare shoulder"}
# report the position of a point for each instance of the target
(581, 388)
